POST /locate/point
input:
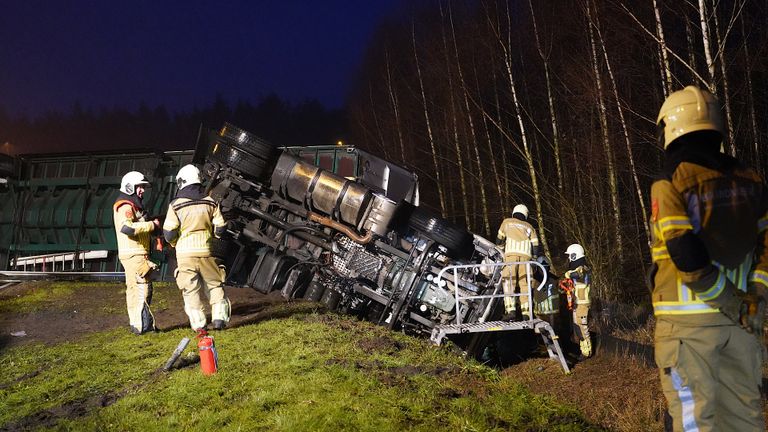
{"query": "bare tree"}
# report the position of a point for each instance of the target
(550, 99)
(438, 179)
(625, 131)
(612, 181)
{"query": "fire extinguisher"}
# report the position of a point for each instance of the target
(209, 358)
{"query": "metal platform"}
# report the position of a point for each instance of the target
(542, 328)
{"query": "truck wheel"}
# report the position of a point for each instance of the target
(247, 141)
(247, 164)
(314, 292)
(458, 241)
(331, 299)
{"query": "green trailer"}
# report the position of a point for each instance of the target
(58, 208)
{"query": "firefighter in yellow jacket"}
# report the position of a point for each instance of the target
(192, 220)
(520, 244)
(710, 254)
(581, 276)
(133, 233)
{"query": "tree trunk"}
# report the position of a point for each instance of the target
(624, 129)
(478, 163)
(663, 51)
(457, 145)
(550, 100)
(726, 93)
(396, 112)
(438, 179)
(751, 102)
(707, 51)
(612, 181)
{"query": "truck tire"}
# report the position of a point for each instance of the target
(458, 241)
(247, 141)
(245, 163)
(331, 299)
(314, 292)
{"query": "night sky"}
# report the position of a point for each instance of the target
(179, 54)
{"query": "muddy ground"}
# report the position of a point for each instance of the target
(101, 306)
(617, 388)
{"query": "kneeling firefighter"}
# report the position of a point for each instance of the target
(133, 234)
(580, 277)
(192, 220)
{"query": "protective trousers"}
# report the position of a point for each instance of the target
(516, 277)
(581, 327)
(196, 276)
(138, 293)
(711, 376)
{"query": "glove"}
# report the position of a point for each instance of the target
(752, 313)
(729, 303)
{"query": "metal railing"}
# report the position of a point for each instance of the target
(53, 259)
(499, 284)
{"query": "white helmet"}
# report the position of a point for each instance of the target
(522, 209)
(574, 252)
(689, 110)
(130, 181)
(188, 175)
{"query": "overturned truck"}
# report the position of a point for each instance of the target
(360, 244)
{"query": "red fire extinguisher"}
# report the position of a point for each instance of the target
(209, 359)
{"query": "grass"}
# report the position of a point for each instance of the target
(40, 296)
(302, 372)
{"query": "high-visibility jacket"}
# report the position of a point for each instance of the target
(709, 220)
(582, 282)
(190, 222)
(132, 231)
(519, 237)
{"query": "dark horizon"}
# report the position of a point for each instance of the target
(107, 56)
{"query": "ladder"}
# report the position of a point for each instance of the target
(540, 327)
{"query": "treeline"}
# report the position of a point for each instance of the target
(147, 127)
(553, 104)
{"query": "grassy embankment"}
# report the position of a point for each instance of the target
(299, 371)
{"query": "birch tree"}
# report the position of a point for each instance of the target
(438, 178)
(612, 181)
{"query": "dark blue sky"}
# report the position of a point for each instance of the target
(179, 53)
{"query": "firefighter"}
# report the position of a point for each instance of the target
(581, 278)
(710, 271)
(192, 220)
(520, 244)
(133, 234)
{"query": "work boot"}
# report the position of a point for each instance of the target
(135, 331)
(219, 324)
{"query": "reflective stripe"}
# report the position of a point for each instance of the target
(675, 222)
(687, 403)
(660, 253)
(715, 290)
(760, 276)
(684, 292)
(762, 224)
(681, 308)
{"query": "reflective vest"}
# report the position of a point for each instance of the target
(132, 232)
(194, 219)
(582, 281)
(728, 213)
(519, 236)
